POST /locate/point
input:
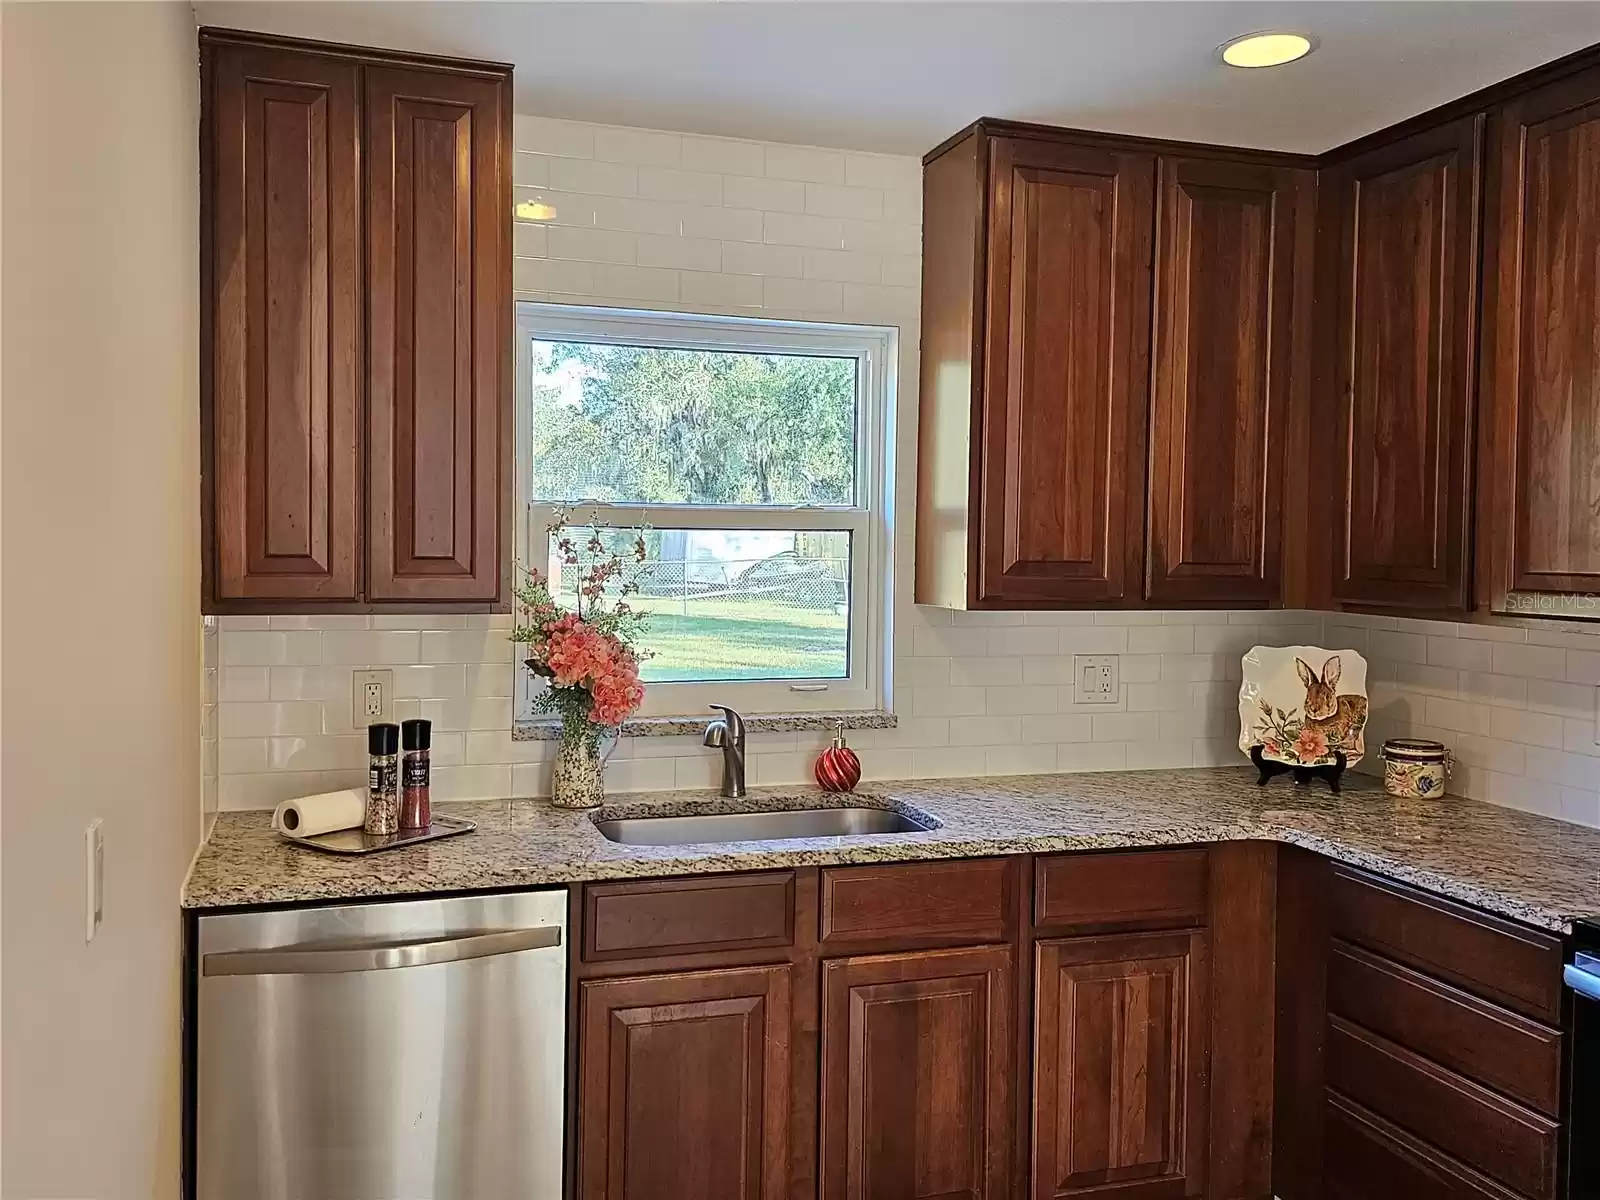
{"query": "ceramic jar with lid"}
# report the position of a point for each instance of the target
(1415, 768)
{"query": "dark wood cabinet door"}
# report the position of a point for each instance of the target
(1066, 379)
(1224, 299)
(1408, 229)
(1120, 1064)
(916, 1076)
(281, 326)
(1541, 376)
(684, 1082)
(439, 422)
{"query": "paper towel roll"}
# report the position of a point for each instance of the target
(323, 813)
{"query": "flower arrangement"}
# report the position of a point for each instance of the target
(588, 655)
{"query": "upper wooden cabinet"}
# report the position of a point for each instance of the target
(1405, 220)
(356, 306)
(1541, 367)
(284, 312)
(1062, 416)
(1224, 341)
(1065, 354)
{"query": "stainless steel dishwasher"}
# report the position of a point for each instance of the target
(398, 1051)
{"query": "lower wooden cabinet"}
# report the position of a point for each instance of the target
(1120, 1062)
(684, 1086)
(916, 1075)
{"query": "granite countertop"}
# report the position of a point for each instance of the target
(1530, 868)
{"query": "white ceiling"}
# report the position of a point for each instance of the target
(899, 77)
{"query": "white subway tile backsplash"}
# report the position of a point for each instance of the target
(886, 172)
(689, 254)
(1533, 662)
(768, 195)
(829, 200)
(720, 291)
(594, 178)
(802, 295)
(844, 266)
(723, 156)
(804, 163)
(800, 229)
(251, 648)
(755, 258)
(638, 146)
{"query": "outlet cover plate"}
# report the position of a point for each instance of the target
(381, 710)
(1096, 679)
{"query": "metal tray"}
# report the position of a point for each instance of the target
(358, 841)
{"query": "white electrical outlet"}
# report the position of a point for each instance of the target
(1095, 679)
(94, 878)
(371, 698)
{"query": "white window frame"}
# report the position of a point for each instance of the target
(868, 520)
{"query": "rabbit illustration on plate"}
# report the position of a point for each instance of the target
(1291, 705)
(1334, 716)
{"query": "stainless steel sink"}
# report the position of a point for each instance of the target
(773, 826)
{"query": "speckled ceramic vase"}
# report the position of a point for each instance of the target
(577, 780)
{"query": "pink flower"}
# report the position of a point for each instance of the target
(1310, 744)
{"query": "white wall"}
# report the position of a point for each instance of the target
(101, 638)
(658, 220)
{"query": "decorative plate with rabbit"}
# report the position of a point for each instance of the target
(1300, 704)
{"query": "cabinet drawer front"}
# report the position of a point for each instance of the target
(1148, 888)
(1369, 1159)
(941, 902)
(1506, 962)
(1508, 1053)
(1503, 1140)
(687, 916)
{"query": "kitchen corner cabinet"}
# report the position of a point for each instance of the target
(356, 310)
(1541, 361)
(1062, 412)
(1404, 217)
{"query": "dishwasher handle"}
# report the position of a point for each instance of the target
(1583, 975)
(330, 960)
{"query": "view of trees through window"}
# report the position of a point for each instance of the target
(639, 424)
(633, 425)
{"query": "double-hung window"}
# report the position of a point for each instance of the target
(755, 455)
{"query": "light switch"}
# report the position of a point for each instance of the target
(94, 855)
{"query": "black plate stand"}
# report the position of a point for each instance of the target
(1331, 772)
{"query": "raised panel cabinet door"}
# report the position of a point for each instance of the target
(439, 320)
(916, 1076)
(1120, 1065)
(1225, 250)
(280, 362)
(684, 1086)
(1542, 369)
(1066, 378)
(1406, 339)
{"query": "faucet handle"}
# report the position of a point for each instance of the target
(734, 723)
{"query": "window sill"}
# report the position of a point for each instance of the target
(548, 729)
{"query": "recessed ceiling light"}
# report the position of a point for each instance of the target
(1266, 49)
